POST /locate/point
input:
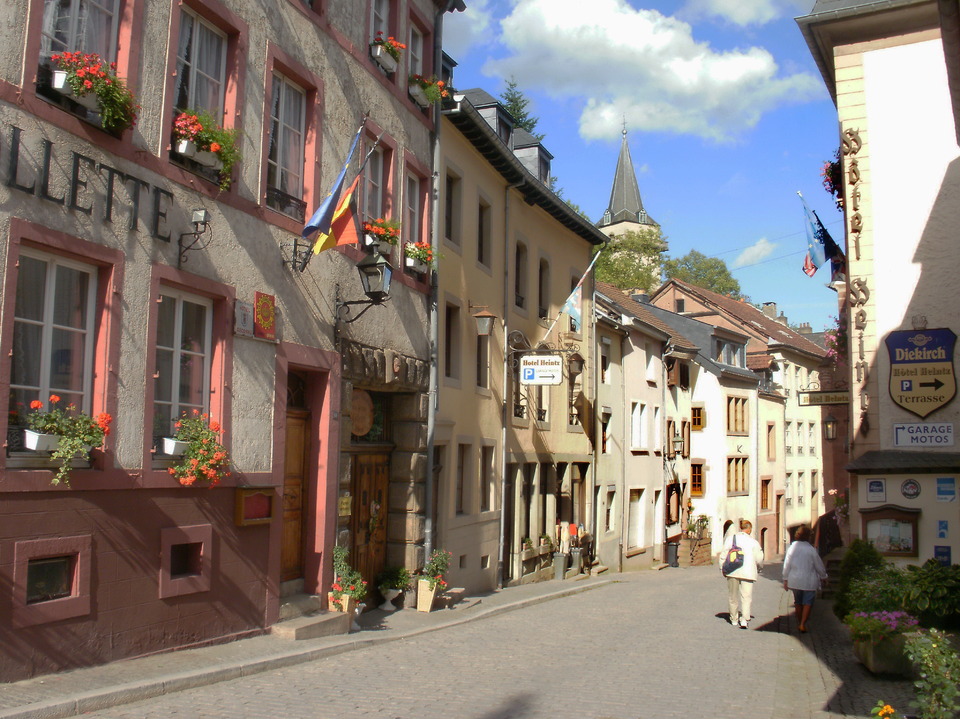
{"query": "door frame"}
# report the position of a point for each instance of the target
(322, 471)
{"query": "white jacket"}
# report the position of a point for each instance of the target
(802, 567)
(752, 556)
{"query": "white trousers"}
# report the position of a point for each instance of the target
(739, 593)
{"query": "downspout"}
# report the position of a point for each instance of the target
(504, 417)
(624, 498)
(432, 315)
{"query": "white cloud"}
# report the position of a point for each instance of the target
(758, 251)
(463, 30)
(641, 66)
(744, 12)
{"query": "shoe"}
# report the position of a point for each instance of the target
(744, 624)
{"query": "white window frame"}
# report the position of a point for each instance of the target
(657, 429)
(50, 44)
(412, 215)
(191, 71)
(44, 389)
(285, 127)
(415, 50)
(380, 17)
(176, 406)
(373, 184)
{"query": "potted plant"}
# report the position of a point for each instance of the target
(878, 640)
(391, 582)
(74, 432)
(832, 176)
(94, 84)
(432, 582)
(204, 459)
(386, 51)
(425, 92)
(198, 136)
(348, 586)
(418, 256)
(382, 230)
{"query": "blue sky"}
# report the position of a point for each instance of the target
(726, 114)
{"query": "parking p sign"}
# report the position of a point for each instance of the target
(541, 369)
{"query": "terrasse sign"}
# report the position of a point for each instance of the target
(921, 369)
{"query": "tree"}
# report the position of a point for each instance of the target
(631, 261)
(516, 104)
(708, 272)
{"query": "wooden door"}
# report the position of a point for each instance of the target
(368, 526)
(294, 492)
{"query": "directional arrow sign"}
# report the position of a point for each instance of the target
(541, 369)
(921, 369)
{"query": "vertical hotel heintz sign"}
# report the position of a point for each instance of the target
(922, 379)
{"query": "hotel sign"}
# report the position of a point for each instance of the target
(810, 399)
(541, 369)
(922, 379)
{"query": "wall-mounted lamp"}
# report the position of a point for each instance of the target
(485, 319)
(576, 365)
(375, 276)
(829, 427)
(200, 220)
(677, 442)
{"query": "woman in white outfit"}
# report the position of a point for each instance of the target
(802, 572)
(740, 581)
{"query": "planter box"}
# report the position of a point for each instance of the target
(425, 595)
(61, 85)
(383, 58)
(40, 442)
(418, 95)
(888, 656)
(347, 603)
(208, 159)
(174, 447)
(187, 148)
(415, 264)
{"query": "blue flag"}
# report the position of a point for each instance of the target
(321, 219)
(816, 245)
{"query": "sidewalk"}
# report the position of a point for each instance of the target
(72, 693)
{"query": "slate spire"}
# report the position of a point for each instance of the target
(625, 203)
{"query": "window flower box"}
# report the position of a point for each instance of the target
(198, 136)
(61, 85)
(383, 58)
(418, 95)
(186, 148)
(208, 159)
(174, 447)
(414, 264)
(39, 441)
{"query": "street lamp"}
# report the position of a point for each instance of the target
(829, 427)
(484, 318)
(677, 443)
(375, 275)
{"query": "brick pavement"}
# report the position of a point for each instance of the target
(648, 644)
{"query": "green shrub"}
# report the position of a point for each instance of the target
(938, 666)
(933, 594)
(861, 560)
(882, 590)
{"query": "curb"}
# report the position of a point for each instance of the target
(118, 695)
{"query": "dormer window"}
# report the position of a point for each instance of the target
(544, 174)
(504, 129)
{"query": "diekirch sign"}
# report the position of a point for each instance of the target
(922, 379)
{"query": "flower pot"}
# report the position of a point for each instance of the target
(208, 159)
(40, 442)
(414, 264)
(355, 615)
(418, 95)
(886, 656)
(174, 447)
(187, 148)
(383, 58)
(347, 603)
(425, 595)
(60, 84)
(388, 596)
(369, 240)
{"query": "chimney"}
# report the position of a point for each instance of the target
(641, 297)
(805, 329)
(770, 310)
(782, 318)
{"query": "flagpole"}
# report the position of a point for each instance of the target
(576, 287)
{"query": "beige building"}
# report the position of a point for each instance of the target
(892, 71)
(511, 454)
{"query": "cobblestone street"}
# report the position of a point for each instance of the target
(653, 644)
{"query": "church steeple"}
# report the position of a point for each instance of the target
(625, 203)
